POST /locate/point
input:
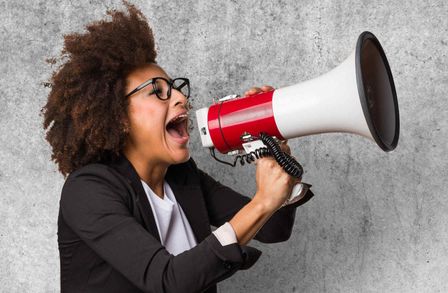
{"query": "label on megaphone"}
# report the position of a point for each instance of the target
(253, 145)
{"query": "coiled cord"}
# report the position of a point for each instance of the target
(252, 156)
(288, 163)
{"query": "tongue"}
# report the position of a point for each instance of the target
(176, 130)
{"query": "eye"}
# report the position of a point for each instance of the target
(156, 91)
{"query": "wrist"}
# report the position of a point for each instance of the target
(250, 219)
(264, 204)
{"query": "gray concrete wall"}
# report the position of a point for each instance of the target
(378, 222)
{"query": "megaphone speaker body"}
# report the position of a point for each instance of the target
(358, 96)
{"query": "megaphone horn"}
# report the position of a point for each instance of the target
(358, 96)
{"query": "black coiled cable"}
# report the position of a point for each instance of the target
(288, 163)
(252, 156)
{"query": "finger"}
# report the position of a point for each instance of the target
(252, 91)
(267, 88)
(285, 148)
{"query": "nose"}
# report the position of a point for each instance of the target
(177, 98)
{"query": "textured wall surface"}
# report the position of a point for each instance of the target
(378, 222)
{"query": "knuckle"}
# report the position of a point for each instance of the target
(263, 162)
(267, 162)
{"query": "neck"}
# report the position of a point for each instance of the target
(149, 170)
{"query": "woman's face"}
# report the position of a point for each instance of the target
(151, 135)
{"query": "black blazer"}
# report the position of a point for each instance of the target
(109, 242)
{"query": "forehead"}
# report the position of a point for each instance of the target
(142, 74)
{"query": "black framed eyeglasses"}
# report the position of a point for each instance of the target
(162, 87)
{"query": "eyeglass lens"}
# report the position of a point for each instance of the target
(163, 90)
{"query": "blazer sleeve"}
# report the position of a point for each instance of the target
(94, 203)
(223, 203)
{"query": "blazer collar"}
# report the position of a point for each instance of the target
(187, 192)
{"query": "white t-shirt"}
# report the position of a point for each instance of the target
(174, 229)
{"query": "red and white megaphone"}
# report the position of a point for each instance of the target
(356, 97)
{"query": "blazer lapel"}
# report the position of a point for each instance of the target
(125, 168)
(187, 191)
(189, 196)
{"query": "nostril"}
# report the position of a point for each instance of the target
(183, 104)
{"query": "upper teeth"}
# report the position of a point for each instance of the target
(179, 117)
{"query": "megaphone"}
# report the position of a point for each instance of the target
(358, 96)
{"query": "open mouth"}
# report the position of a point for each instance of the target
(177, 127)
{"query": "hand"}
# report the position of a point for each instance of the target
(257, 90)
(274, 185)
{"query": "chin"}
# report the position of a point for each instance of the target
(181, 157)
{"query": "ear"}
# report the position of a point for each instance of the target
(125, 126)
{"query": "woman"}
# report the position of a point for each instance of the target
(135, 211)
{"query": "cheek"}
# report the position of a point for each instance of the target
(146, 121)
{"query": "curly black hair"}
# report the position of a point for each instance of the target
(86, 111)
